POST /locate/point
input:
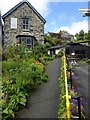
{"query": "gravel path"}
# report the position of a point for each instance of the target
(43, 103)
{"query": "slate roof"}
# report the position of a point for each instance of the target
(66, 45)
(66, 34)
(18, 5)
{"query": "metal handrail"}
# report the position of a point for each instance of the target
(67, 95)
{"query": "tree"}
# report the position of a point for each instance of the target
(58, 41)
(80, 35)
(49, 39)
(87, 36)
(77, 36)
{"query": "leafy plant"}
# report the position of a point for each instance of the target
(62, 106)
(60, 54)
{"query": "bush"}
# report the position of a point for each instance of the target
(88, 61)
(60, 54)
(16, 52)
(62, 106)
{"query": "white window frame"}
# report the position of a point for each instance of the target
(25, 24)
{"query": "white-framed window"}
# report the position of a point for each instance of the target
(28, 41)
(13, 23)
(25, 23)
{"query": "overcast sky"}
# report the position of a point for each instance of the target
(59, 15)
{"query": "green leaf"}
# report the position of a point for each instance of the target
(5, 111)
(22, 101)
(11, 113)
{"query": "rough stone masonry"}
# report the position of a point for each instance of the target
(36, 24)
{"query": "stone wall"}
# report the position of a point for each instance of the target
(0, 37)
(36, 24)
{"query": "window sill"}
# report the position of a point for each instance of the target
(26, 30)
(13, 28)
(28, 44)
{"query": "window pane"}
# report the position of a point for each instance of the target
(26, 26)
(23, 26)
(29, 41)
(23, 21)
(27, 21)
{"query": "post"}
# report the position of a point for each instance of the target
(79, 108)
(71, 78)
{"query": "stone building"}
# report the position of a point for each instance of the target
(0, 27)
(0, 40)
(0, 30)
(23, 23)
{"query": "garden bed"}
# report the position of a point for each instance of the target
(77, 91)
(22, 72)
(62, 106)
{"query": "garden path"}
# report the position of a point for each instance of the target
(44, 102)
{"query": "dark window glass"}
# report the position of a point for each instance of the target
(27, 22)
(28, 41)
(23, 21)
(67, 51)
(23, 26)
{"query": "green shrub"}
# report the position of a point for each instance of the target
(60, 54)
(62, 106)
(88, 61)
(16, 52)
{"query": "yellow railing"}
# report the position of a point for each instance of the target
(66, 87)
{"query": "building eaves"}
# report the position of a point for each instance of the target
(56, 47)
(52, 33)
(18, 5)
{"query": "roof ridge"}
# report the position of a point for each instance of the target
(24, 1)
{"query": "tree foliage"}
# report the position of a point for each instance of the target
(52, 40)
(82, 36)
